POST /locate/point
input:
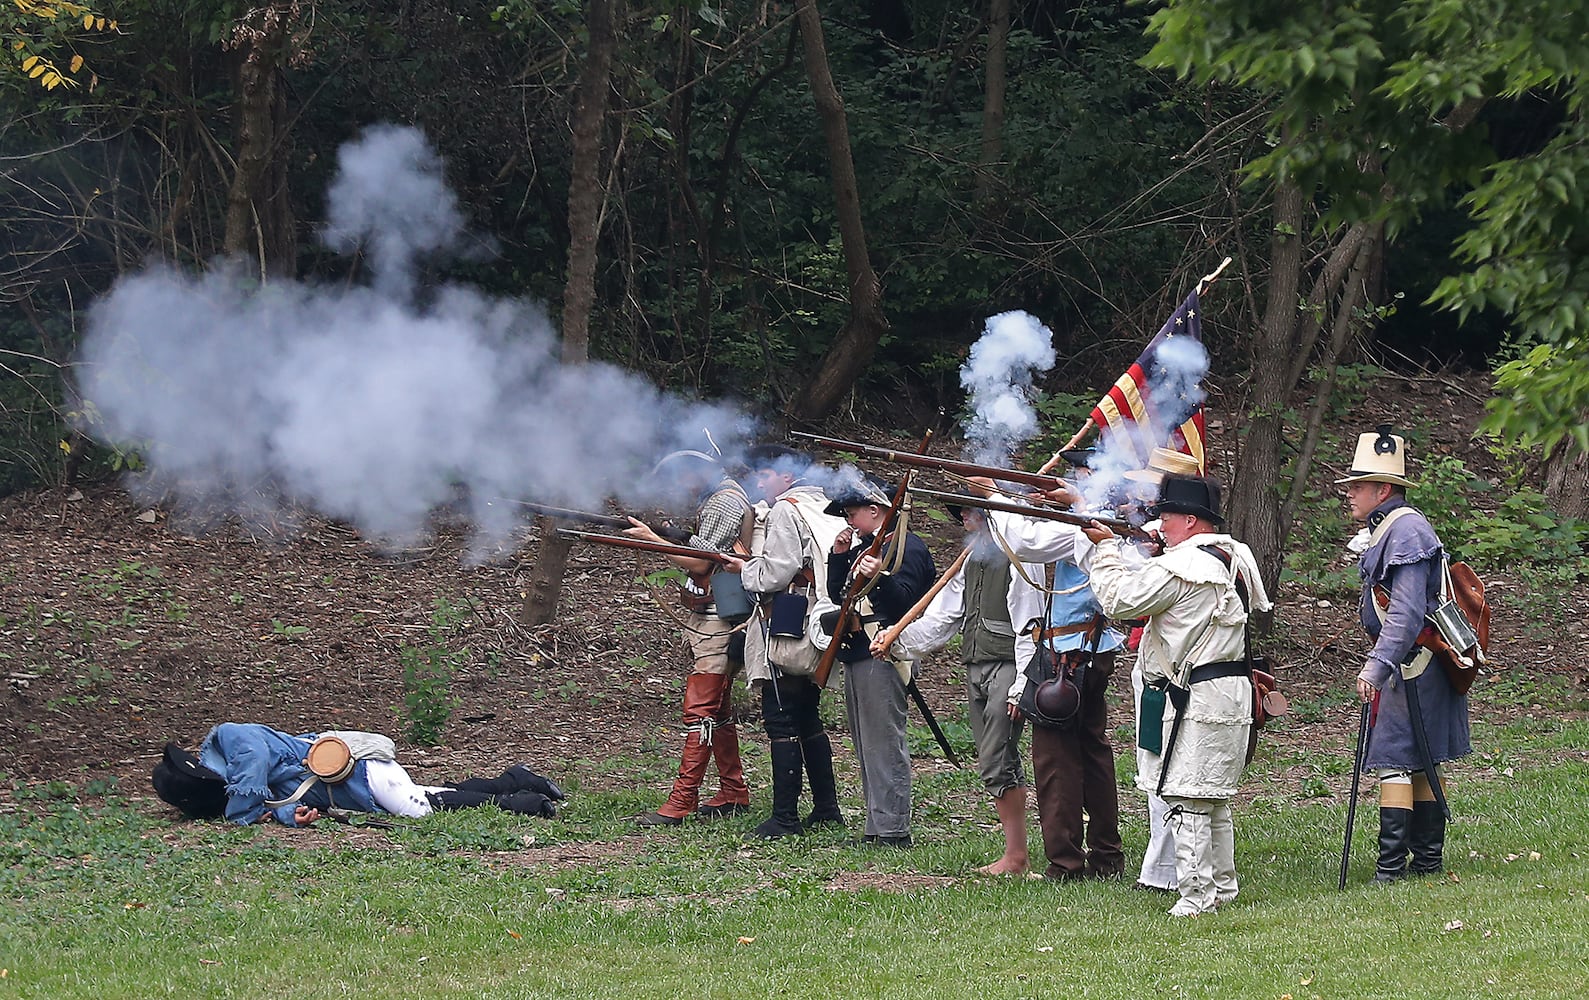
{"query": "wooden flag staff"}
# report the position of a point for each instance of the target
(1202, 286)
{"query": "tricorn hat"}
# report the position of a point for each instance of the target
(1381, 458)
(1162, 462)
(777, 456)
(675, 461)
(857, 492)
(1189, 495)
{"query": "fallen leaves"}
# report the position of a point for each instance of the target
(747, 940)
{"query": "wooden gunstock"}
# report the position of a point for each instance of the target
(841, 624)
(920, 460)
(1119, 526)
(887, 639)
(662, 548)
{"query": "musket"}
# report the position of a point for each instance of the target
(887, 638)
(919, 460)
(847, 606)
(1119, 526)
(662, 548)
(601, 520)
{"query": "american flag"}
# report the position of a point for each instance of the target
(1158, 402)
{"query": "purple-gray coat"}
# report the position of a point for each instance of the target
(1406, 561)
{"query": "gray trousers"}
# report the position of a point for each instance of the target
(998, 737)
(874, 703)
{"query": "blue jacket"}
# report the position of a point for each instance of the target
(261, 763)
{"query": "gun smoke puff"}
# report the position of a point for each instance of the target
(356, 403)
(997, 375)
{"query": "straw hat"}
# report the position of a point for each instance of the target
(1164, 461)
(1381, 458)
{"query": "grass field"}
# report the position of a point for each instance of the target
(107, 898)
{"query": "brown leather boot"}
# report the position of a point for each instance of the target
(733, 795)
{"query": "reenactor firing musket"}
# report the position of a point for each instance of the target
(601, 520)
(915, 460)
(1119, 526)
(624, 542)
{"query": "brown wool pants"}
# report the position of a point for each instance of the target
(1073, 772)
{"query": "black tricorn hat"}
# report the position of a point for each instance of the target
(1189, 495)
(180, 780)
(858, 493)
(777, 456)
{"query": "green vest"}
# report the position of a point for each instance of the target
(986, 635)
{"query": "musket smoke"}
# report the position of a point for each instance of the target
(998, 374)
(358, 403)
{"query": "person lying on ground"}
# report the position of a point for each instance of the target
(250, 773)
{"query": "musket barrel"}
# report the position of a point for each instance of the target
(662, 548)
(919, 461)
(601, 520)
(1119, 526)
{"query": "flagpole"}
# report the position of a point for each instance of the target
(1202, 286)
(1073, 442)
(1213, 276)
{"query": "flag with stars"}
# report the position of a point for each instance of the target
(1158, 402)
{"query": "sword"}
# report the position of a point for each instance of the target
(1357, 776)
(1421, 739)
(932, 723)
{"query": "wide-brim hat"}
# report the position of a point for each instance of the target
(777, 456)
(675, 462)
(958, 510)
(868, 489)
(1188, 495)
(1163, 462)
(1381, 457)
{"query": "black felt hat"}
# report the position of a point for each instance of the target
(1189, 495)
(868, 489)
(780, 457)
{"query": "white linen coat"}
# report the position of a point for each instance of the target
(791, 534)
(1195, 616)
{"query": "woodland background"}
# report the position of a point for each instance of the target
(814, 207)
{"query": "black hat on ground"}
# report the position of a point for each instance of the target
(868, 489)
(1189, 495)
(180, 780)
(777, 456)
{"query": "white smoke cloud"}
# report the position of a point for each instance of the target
(1014, 347)
(361, 405)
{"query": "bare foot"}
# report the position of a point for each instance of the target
(1004, 866)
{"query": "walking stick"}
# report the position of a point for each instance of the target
(1357, 777)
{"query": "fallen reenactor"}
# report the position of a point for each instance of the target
(248, 773)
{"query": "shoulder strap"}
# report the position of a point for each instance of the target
(1241, 592)
(1384, 526)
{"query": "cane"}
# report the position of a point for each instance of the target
(1357, 776)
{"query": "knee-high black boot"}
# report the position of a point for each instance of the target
(1395, 828)
(818, 751)
(517, 778)
(1428, 838)
(785, 819)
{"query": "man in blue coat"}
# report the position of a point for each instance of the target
(1421, 720)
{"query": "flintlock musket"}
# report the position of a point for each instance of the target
(1118, 525)
(918, 460)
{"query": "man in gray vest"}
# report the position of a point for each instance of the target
(985, 603)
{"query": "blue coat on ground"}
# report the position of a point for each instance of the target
(260, 763)
(1406, 562)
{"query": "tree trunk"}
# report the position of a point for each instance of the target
(1255, 502)
(259, 219)
(993, 98)
(856, 343)
(1567, 480)
(579, 294)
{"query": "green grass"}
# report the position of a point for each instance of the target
(104, 900)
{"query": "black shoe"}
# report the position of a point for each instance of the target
(774, 829)
(527, 803)
(657, 819)
(1144, 887)
(815, 819)
(722, 811)
(523, 777)
(902, 843)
